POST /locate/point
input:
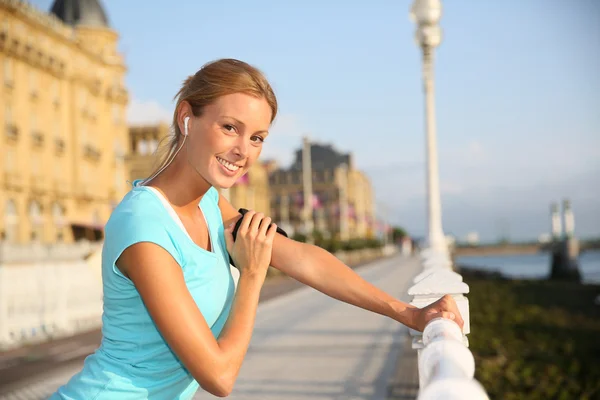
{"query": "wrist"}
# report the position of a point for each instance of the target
(405, 313)
(253, 274)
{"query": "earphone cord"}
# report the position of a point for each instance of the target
(170, 158)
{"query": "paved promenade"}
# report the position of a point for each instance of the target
(305, 346)
(309, 346)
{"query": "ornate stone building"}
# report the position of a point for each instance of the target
(62, 113)
(251, 191)
(143, 142)
(343, 202)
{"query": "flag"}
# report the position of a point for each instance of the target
(243, 180)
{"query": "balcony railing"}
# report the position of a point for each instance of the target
(12, 132)
(85, 191)
(60, 188)
(59, 145)
(12, 180)
(446, 365)
(38, 184)
(91, 152)
(37, 139)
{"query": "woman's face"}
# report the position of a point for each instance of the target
(227, 138)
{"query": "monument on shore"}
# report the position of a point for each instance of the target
(565, 246)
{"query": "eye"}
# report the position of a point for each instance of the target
(229, 128)
(258, 139)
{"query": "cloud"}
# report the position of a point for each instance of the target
(147, 112)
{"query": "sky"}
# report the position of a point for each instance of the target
(517, 96)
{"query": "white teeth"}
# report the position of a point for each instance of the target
(228, 165)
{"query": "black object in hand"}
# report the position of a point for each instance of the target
(243, 211)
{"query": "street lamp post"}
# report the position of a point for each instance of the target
(426, 14)
(307, 189)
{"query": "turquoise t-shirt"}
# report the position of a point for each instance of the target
(133, 360)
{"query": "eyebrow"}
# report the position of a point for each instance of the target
(241, 123)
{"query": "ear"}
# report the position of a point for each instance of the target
(184, 111)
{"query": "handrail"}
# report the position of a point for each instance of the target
(446, 365)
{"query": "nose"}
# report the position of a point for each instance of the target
(242, 147)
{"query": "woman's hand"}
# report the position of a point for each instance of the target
(443, 308)
(253, 245)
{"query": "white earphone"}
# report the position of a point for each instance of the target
(185, 126)
(171, 155)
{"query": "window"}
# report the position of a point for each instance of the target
(57, 170)
(83, 99)
(116, 114)
(33, 122)
(58, 217)
(84, 135)
(153, 145)
(8, 114)
(10, 129)
(33, 82)
(8, 72)
(142, 147)
(11, 221)
(55, 92)
(84, 172)
(35, 166)
(37, 223)
(9, 160)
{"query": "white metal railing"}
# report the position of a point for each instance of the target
(45, 299)
(445, 363)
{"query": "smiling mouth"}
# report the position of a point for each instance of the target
(230, 166)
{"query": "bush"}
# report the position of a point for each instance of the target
(374, 243)
(299, 237)
(535, 339)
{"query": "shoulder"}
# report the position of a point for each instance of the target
(140, 217)
(137, 206)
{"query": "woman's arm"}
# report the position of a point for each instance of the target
(214, 363)
(321, 270)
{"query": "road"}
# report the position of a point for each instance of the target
(305, 345)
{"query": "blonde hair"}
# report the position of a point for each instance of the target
(215, 79)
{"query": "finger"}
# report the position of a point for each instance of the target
(256, 220)
(229, 237)
(271, 232)
(460, 321)
(448, 315)
(245, 225)
(264, 226)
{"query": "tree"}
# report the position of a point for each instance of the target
(398, 233)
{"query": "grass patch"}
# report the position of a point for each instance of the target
(534, 339)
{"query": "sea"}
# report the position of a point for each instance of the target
(531, 266)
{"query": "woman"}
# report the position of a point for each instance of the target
(172, 320)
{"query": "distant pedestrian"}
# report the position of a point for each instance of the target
(173, 319)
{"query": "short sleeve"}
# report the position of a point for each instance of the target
(127, 229)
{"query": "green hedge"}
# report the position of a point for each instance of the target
(535, 339)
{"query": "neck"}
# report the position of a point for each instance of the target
(181, 185)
